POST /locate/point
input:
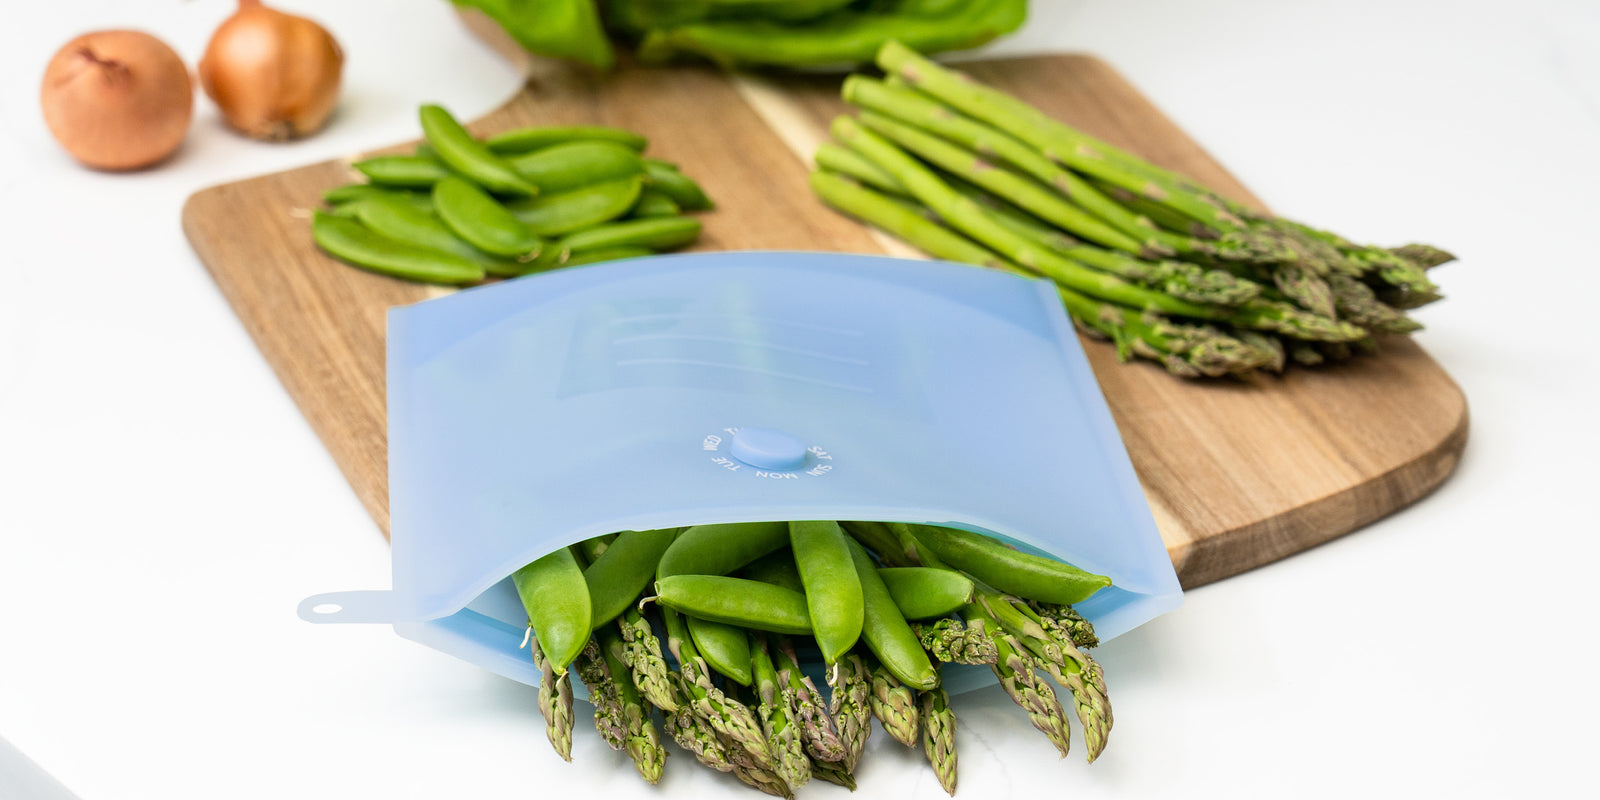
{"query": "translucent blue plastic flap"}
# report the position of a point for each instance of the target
(534, 413)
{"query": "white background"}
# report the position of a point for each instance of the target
(163, 505)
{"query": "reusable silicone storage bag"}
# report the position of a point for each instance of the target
(721, 387)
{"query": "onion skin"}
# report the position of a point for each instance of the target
(275, 76)
(118, 99)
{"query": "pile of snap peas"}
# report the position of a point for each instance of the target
(741, 606)
(461, 210)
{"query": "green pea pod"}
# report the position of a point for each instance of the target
(569, 29)
(350, 192)
(565, 167)
(832, 589)
(556, 598)
(466, 155)
(721, 549)
(885, 629)
(481, 220)
(403, 172)
(403, 222)
(653, 204)
(425, 150)
(725, 648)
(926, 592)
(622, 570)
(348, 210)
(527, 140)
(605, 254)
(777, 568)
(665, 178)
(656, 233)
(351, 241)
(736, 601)
(584, 207)
(1011, 571)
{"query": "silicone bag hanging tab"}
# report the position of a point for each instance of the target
(722, 387)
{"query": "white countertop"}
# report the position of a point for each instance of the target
(164, 506)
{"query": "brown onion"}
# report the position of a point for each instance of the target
(117, 99)
(274, 75)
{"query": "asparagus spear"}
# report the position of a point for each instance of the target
(913, 108)
(1024, 192)
(1072, 668)
(951, 641)
(1057, 141)
(1423, 255)
(1358, 303)
(695, 735)
(608, 716)
(1064, 621)
(939, 735)
(850, 683)
(640, 737)
(555, 700)
(805, 705)
(1015, 668)
(966, 215)
(833, 772)
(727, 717)
(777, 719)
(642, 652)
(894, 704)
(1184, 349)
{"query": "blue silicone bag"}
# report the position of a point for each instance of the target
(722, 387)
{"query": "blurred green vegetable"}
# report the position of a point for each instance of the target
(744, 33)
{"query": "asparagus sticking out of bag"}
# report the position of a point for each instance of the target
(642, 652)
(817, 728)
(939, 735)
(639, 735)
(608, 716)
(953, 642)
(894, 704)
(555, 700)
(727, 716)
(782, 729)
(850, 706)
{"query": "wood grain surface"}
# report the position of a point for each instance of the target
(1238, 473)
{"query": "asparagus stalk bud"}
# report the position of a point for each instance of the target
(895, 706)
(555, 701)
(939, 736)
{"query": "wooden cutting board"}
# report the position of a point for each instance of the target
(1238, 473)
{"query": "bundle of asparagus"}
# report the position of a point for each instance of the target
(1167, 269)
(738, 606)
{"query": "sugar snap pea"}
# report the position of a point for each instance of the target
(1011, 571)
(653, 204)
(587, 206)
(556, 598)
(403, 172)
(736, 601)
(665, 177)
(526, 140)
(481, 220)
(565, 167)
(605, 254)
(776, 568)
(726, 648)
(832, 588)
(350, 192)
(622, 569)
(721, 549)
(466, 155)
(885, 629)
(656, 233)
(351, 241)
(926, 592)
(403, 222)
